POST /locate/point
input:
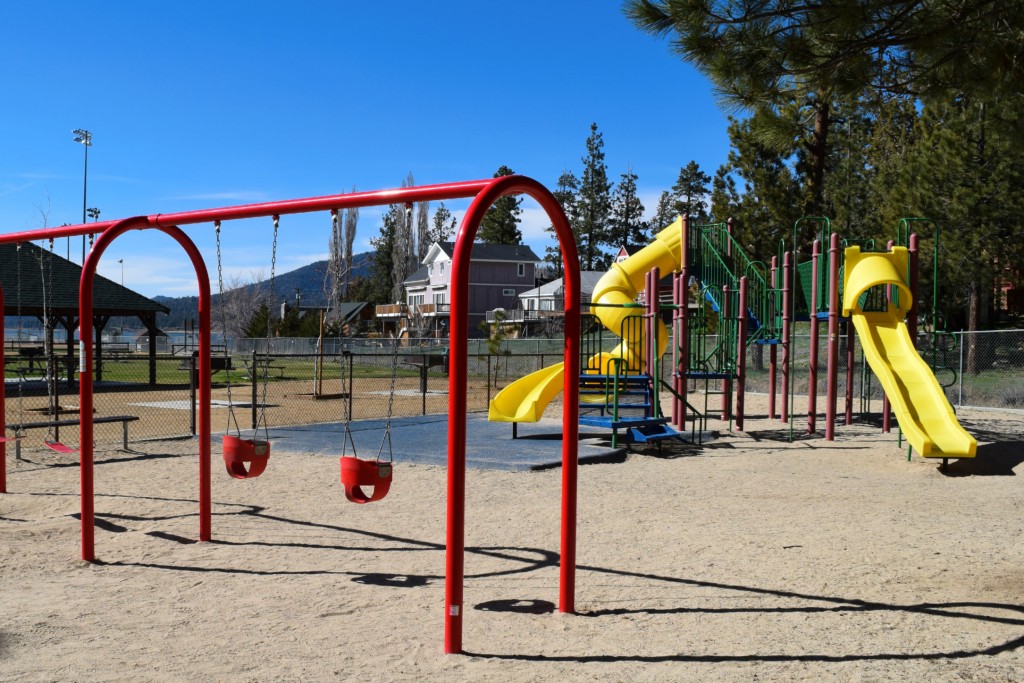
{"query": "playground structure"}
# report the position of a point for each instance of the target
(762, 312)
(744, 302)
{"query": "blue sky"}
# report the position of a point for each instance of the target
(198, 105)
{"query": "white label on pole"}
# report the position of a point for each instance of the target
(453, 610)
(81, 356)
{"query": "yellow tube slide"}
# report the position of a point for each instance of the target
(921, 408)
(525, 399)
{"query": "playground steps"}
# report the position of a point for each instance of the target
(632, 391)
(608, 422)
(651, 433)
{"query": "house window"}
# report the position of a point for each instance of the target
(439, 298)
(547, 305)
(508, 292)
(521, 270)
(430, 269)
(441, 266)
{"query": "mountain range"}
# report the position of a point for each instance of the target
(306, 283)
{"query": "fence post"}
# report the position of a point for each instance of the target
(960, 375)
(255, 399)
(192, 392)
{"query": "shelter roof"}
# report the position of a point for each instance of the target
(29, 272)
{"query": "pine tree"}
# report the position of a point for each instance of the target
(443, 227)
(594, 204)
(665, 213)
(690, 189)
(258, 324)
(566, 188)
(500, 224)
(770, 203)
(380, 287)
(627, 218)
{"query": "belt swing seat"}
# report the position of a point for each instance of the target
(356, 474)
(51, 440)
(245, 458)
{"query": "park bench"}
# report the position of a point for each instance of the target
(263, 366)
(26, 426)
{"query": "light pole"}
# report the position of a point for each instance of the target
(85, 138)
(121, 261)
(94, 214)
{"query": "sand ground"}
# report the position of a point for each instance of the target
(750, 558)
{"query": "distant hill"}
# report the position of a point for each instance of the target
(308, 280)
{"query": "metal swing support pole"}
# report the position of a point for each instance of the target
(459, 332)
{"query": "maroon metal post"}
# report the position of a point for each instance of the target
(773, 354)
(833, 337)
(787, 307)
(723, 323)
(741, 357)
(812, 383)
(682, 301)
(651, 351)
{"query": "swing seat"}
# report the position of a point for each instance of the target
(238, 452)
(58, 447)
(356, 473)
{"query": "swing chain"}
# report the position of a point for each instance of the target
(46, 268)
(19, 430)
(346, 391)
(262, 419)
(391, 404)
(224, 327)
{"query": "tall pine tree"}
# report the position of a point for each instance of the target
(627, 218)
(500, 224)
(565, 193)
(594, 204)
(690, 189)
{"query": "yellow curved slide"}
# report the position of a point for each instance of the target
(921, 408)
(525, 399)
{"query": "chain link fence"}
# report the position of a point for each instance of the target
(297, 383)
(975, 369)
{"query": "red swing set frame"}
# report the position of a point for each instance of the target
(483, 194)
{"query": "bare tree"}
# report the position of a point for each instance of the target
(422, 231)
(351, 219)
(403, 252)
(235, 307)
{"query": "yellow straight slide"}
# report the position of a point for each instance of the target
(921, 408)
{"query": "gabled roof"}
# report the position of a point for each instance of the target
(350, 310)
(422, 274)
(28, 269)
(492, 252)
(588, 280)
